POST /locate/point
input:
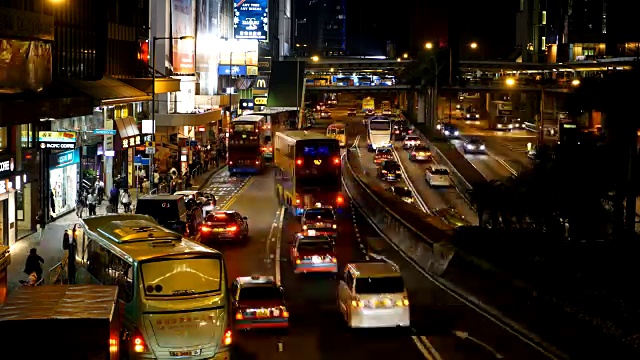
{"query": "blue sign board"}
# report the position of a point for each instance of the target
(192, 142)
(251, 19)
(104, 132)
(66, 158)
(139, 160)
(232, 70)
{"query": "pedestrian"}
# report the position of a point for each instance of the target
(79, 205)
(34, 263)
(113, 199)
(73, 249)
(125, 199)
(93, 203)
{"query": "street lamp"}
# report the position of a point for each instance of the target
(428, 46)
(405, 55)
(315, 58)
(473, 45)
(575, 82)
(153, 101)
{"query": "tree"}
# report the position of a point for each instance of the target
(613, 95)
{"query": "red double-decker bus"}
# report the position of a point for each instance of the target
(308, 170)
(245, 145)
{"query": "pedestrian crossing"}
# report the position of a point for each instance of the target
(224, 187)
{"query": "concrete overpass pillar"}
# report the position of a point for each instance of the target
(422, 107)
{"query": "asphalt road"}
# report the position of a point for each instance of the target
(507, 150)
(317, 330)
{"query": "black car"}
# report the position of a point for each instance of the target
(450, 131)
(474, 146)
(404, 193)
(225, 225)
(389, 170)
(170, 211)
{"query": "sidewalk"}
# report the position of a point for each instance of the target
(50, 244)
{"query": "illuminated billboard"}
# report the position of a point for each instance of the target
(251, 19)
(183, 24)
(239, 52)
(24, 65)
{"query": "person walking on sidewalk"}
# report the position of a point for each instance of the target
(113, 199)
(80, 204)
(93, 203)
(125, 199)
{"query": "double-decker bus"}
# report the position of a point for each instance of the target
(338, 131)
(307, 170)
(246, 144)
(378, 133)
(173, 291)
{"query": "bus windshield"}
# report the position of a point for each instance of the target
(182, 276)
(244, 126)
(380, 125)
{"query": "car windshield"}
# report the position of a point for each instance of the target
(220, 218)
(379, 285)
(256, 293)
(421, 148)
(440, 172)
(323, 214)
(383, 152)
(182, 276)
(402, 192)
(412, 138)
(475, 141)
(392, 166)
(315, 245)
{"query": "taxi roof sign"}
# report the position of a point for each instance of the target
(256, 279)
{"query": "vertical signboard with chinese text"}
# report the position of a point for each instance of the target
(251, 19)
(183, 24)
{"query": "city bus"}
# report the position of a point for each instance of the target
(368, 104)
(307, 171)
(246, 144)
(386, 107)
(338, 131)
(378, 133)
(172, 291)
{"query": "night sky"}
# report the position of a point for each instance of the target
(411, 23)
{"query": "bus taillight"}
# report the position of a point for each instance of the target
(339, 200)
(297, 201)
(336, 161)
(299, 162)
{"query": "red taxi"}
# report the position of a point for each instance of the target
(224, 225)
(258, 303)
(313, 254)
(321, 220)
(382, 154)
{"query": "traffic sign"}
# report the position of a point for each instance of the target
(149, 150)
(104, 132)
(150, 143)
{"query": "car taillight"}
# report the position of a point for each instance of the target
(298, 261)
(304, 227)
(357, 304)
(299, 162)
(227, 340)
(298, 201)
(285, 313)
(334, 226)
(413, 154)
(239, 315)
(336, 161)
(205, 228)
(232, 228)
(257, 162)
(230, 162)
(339, 199)
(138, 343)
(113, 345)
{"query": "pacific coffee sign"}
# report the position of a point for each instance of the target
(7, 165)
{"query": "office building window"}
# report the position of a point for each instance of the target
(26, 136)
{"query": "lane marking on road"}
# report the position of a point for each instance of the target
(237, 194)
(274, 224)
(421, 204)
(422, 348)
(278, 243)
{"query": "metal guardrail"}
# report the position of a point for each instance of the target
(432, 257)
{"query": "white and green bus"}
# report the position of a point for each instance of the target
(172, 291)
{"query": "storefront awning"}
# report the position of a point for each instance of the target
(283, 87)
(188, 119)
(163, 85)
(109, 91)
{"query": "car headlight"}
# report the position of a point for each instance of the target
(481, 147)
(456, 133)
(469, 146)
(446, 132)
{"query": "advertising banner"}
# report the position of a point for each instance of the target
(57, 139)
(232, 70)
(260, 100)
(239, 52)
(262, 83)
(251, 19)
(246, 104)
(183, 23)
(24, 65)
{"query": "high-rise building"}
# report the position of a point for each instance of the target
(320, 28)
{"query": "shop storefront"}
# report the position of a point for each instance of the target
(64, 174)
(7, 200)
